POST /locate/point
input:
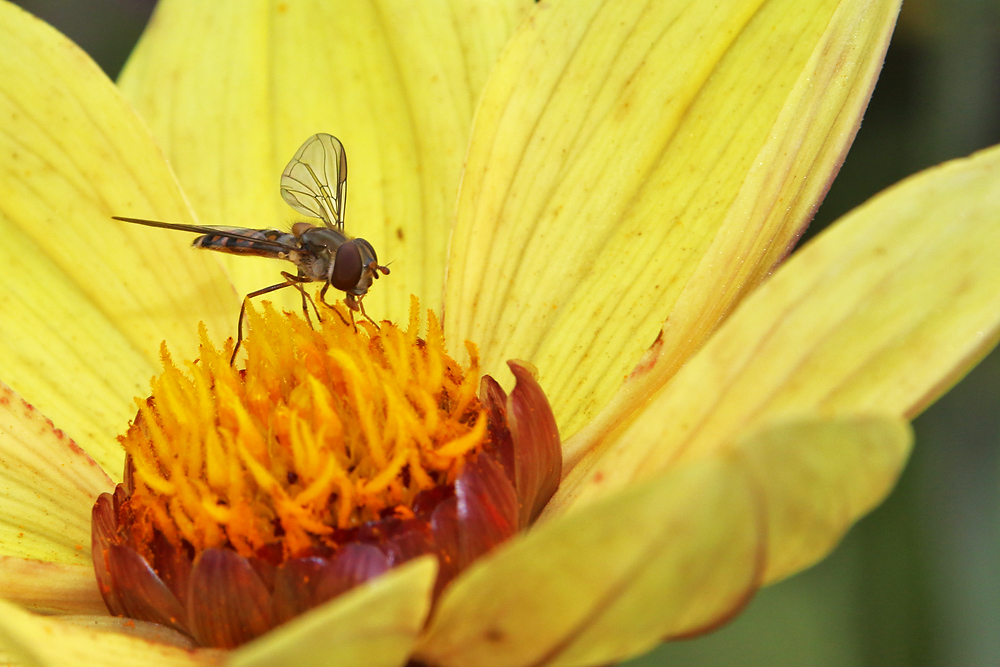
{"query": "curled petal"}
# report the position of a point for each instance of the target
(494, 401)
(352, 565)
(303, 583)
(403, 540)
(228, 604)
(173, 565)
(486, 508)
(103, 527)
(444, 524)
(295, 585)
(142, 593)
(537, 454)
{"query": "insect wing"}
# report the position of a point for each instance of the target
(315, 181)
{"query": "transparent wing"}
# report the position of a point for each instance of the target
(315, 181)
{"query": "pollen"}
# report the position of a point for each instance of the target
(327, 428)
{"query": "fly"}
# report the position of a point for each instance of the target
(315, 184)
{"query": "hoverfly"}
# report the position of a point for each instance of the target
(315, 184)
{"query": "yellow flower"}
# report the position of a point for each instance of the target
(627, 176)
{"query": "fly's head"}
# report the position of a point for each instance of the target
(355, 267)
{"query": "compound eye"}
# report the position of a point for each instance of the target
(367, 246)
(346, 267)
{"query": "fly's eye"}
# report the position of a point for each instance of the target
(367, 246)
(346, 267)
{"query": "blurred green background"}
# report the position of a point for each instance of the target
(918, 581)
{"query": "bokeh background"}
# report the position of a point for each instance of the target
(918, 581)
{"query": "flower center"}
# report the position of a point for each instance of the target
(340, 451)
(325, 429)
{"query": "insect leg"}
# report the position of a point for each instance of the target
(322, 298)
(361, 306)
(296, 282)
(243, 312)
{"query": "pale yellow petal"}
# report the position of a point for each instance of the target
(373, 625)
(48, 486)
(153, 632)
(632, 161)
(880, 314)
(819, 477)
(661, 559)
(51, 588)
(86, 300)
(232, 89)
(41, 641)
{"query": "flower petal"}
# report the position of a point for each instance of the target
(536, 446)
(47, 486)
(664, 558)
(818, 477)
(46, 481)
(82, 296)
(879, 314)
(232, 90)
(43, 640)
(632, 161)
(50, 588)
(228, 604)
(372, 625)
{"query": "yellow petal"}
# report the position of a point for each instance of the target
(879, 314)
(664, 558)
(372, 625)
(83, 296)
(51, 588)
(40, 641)
(232, 89)
(47, 487)
(818, 478)
(634, 160)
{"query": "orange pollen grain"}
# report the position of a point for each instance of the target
(327, 428)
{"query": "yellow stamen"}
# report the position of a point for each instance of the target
(325, 429)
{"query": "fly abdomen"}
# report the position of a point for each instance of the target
(255, 242)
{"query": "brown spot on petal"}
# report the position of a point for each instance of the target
(495, 635)
(649, 358)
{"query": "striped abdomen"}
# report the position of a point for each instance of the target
(248, 246)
